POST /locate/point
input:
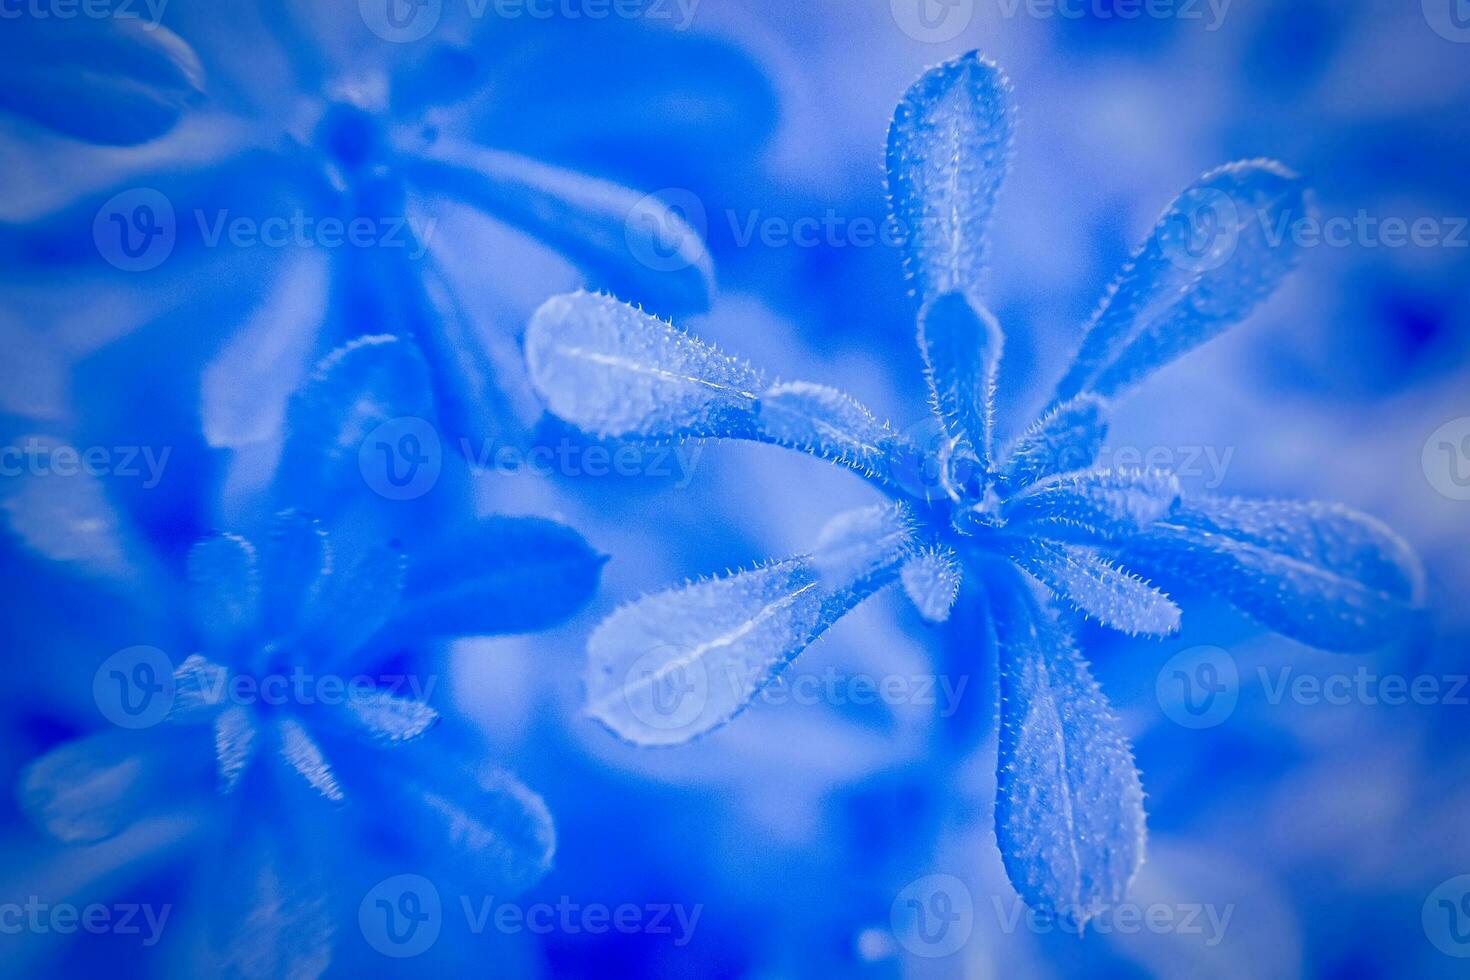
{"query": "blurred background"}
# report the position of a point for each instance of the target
(1312, 825)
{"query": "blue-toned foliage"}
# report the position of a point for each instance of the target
(1038, 526)
(399, 139)
(335, 606)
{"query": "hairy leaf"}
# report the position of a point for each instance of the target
(1103, 505)
(1091, 585)
(826, 422)
(932, 580)
(612, 370)
(1069, 805)
(948, 152)
(961, 343)
(1222, 247)
(1066, 439)
(1318, 573)
(677, 664)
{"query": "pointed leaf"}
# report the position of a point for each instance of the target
(501, 575)
(1111, 595)
(1069, 806)
(677, 664)
(1064, 440)
(1105, 505)
(1222, 247)
(1318, 573)
(114, 80)
(961, 344)
(612, 370)
(948, 152)
(629, 242)
(932, 580)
